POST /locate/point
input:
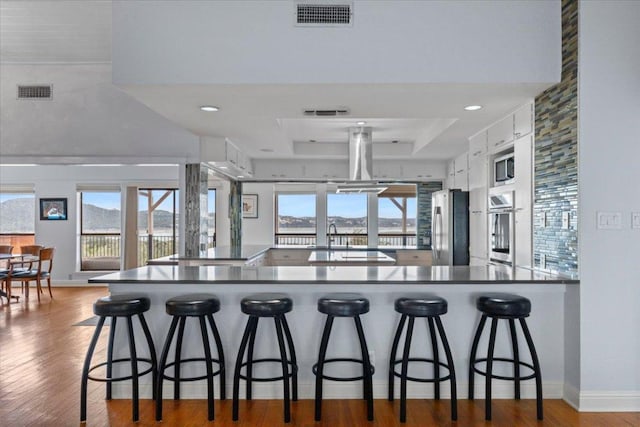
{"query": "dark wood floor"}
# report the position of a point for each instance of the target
(41, 356)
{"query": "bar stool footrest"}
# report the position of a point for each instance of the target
(423, 380)
(502, 377)
(197, 359)
(104, 380)
(327, 377)
(294, 369)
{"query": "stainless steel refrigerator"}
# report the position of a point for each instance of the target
(450, 227)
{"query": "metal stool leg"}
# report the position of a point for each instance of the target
(216, 337)
(178, 359)
(112, 334)
(236, 372)
(134, 370)
(404, 372)
(285, 368)
(394, 350)
(319, 371)
(85, 370)
(252, 340)
(492, 344)
(294, 361)
(207, 361)
(436, 359)
(516, 359)
(536, 368)
(152, 353)
(161, 367)
(452, 371)
(366, 368)
(474, 350)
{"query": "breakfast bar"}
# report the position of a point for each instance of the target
(381, 284)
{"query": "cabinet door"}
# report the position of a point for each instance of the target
(478, 146)
(478, 240)
(523, 151)
(523, 121)
(451, 175)
(461, 164)
(500, 135)
(231, 153)
(478, 169)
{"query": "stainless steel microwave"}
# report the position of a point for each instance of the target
(504, 169)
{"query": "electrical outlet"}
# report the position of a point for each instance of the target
(543, 220)
(372, 357)
(635, 219)
(609, 220)
(543, 261)
(566, 220)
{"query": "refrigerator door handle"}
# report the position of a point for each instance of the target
(436, 249)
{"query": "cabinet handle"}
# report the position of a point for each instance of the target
(502, 141)
(476, 212)
(518, 134)
(461, 170)
(477, 153)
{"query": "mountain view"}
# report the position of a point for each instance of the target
(286, 222)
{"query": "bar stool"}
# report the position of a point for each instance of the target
(273, 305)
(510, 307)
(200, 306)
(344, 305)
(115, 306)
(430, 307)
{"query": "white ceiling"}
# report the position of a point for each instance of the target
(266, 121)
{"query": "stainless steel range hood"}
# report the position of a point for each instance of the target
(360, 154)
(360, 163)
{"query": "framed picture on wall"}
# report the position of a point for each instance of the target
(250, 206)
(53, 209)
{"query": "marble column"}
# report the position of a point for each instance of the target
(423, 191)
(195, 215)
(235, 215)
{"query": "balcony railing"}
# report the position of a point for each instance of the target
(347, 239)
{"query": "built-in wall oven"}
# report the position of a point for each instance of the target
(502, 226)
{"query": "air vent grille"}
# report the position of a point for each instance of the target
(326, 112)
(34, 91)
(323, 14)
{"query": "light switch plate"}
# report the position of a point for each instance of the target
(609, 220)
(635, 219)
(566, 220)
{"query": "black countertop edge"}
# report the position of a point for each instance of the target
(341, 283)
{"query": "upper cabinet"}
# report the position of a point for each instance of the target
(225, 157)
(478, 146)
(523, 121)
(502, 134)
(461, 179)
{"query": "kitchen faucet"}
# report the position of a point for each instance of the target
(335, 233)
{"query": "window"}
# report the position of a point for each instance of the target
(397, 217)
(157, 223)
(349, 214)
(211, 219)
(100, 229)
(295, 219)
(17, 219)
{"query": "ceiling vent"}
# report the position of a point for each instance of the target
(34, 91)
(326, 112)
(323, 14)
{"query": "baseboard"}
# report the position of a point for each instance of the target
(332, 390)
(609, 401)
(571, 395)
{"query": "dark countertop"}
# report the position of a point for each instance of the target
(369, 275)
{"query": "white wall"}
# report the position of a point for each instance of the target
(391, 41)
(609, 109)
(259, 231)
(62, 181)
(88, 120)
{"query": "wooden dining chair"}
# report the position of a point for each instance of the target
(4, 266)
(45, 265)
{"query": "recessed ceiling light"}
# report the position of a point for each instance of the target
(240, 176)
(209, 108)
(223, 167)
(361, 123)
(473, 107)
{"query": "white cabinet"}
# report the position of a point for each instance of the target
(500, 135)
(222, 155)
(478, 240)
(461, 164)
(523, 121)
(523, 152)
(478, 146)
(387, 169)
(451, 175)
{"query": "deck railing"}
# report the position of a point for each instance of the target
(347, 239)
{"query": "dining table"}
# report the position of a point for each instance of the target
(13, 260)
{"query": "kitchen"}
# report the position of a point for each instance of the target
(591, 191)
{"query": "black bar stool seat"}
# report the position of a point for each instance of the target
(431, 307)
(344, 305)
(274, 305)
(115, 306)
(200, 306)
(508, 307)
